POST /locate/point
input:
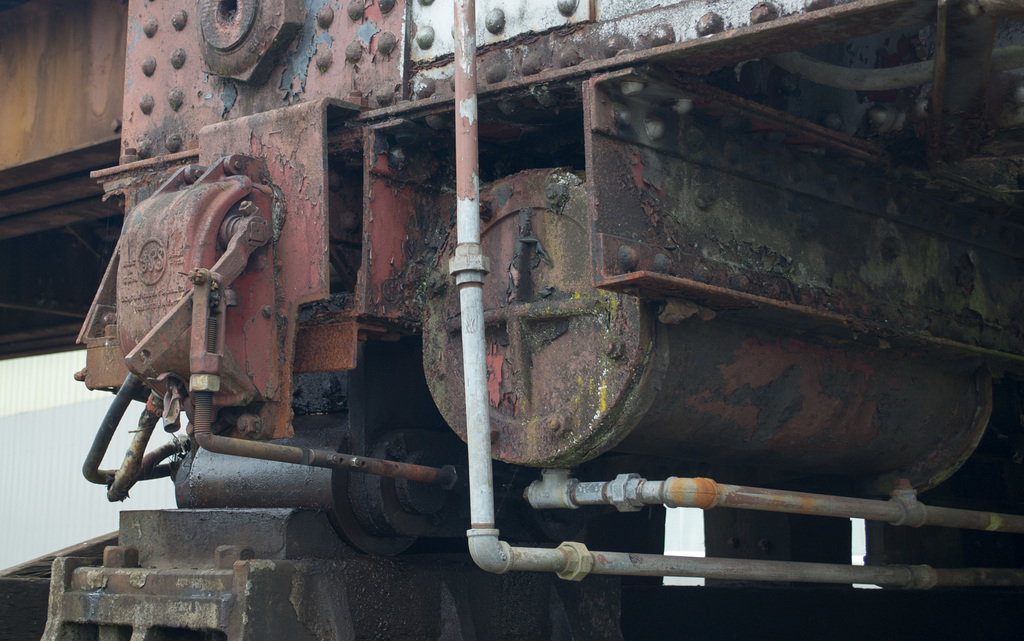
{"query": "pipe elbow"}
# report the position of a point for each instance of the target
(489, 553)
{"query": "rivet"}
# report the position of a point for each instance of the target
(631, 87)
(682, 106)
(386, 43)
(662, 263)
(654, 127)
(797, 172)
(1017, 95)
(615, 45)
(555, 424)
(423, 88)
(763, 12)
(325, 16)
(426, 3)
(144, 148)
(710, 23)
(149, 65)
(115, 125)
(353, 52)
(567, 57)
(266, 311)
(532, 64)
(355, 10)
(146, 104)
(815, 5)
(832, 121)
(567, 7)
(436, 121)
(175, 97)
(425, 37)
(495, 21)
(704, 197)
(178, 58)
(627, 258)
(149, 27)
(694, 138)
(385, 98)
(179, 20)
(621, 115)
(661, 35)
(508, 107)
(496, 73)
(173, 143)
(324, 58)
(385, 6)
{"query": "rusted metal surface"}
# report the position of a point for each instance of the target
(169, 96)
(287, 583)
(562, 358)
(63, 68)
(682, 173)
(326, 348)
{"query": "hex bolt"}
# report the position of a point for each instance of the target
(496, 73)
(146, 104)
(386, 43)
(224, 556)
(249, 425)
(353, 52)
(149, 65)
(179, 20)
(556, 194)
(173, 143)
(149, 27)
(178, 58)
(654, 127)
(615, 349)
(356, 10)
(385, 6)
(627, 258)
(131, 154)
(763, 12)
(175, 97)
(709, 24)
(556, 424)
(325, 16)
(425, 38)
(324, 58)
(120, 556)
(495, 21)
(567, 7)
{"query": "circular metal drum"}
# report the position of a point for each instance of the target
(574, 372)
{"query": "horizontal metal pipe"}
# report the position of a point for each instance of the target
(574, 561)
(444, 476)
(629, 491)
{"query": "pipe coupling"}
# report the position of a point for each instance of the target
(922, 577)
(578, 561)
(690, 492)
(624, 492)
(915, 514)
(469, 265)
(553, 490)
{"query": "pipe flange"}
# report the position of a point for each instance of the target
(240, 37)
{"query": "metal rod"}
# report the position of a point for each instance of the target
(131, 469)
(444, 476)
(90, 469)
(629, 491)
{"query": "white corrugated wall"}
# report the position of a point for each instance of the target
(47, 423)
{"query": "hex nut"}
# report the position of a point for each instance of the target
(240, 38)
(120, 556)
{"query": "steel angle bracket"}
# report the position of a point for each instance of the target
(699, 195)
